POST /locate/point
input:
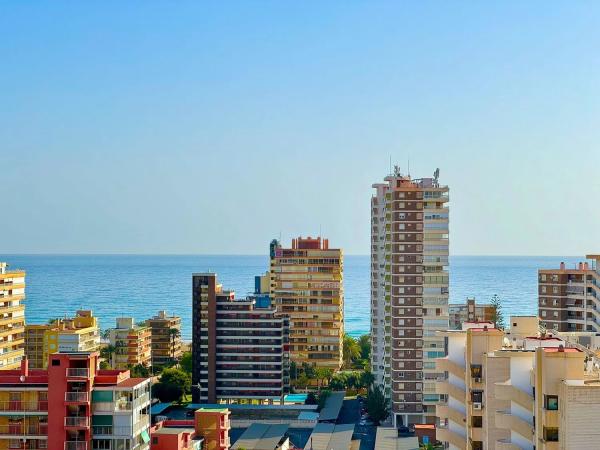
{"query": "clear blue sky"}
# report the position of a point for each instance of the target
(175, 127)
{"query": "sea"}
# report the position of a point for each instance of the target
(140, 285)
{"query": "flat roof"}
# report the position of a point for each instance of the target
(333, 405)
(387, 439)
(173, 430)
(261, 436)
(252, 407)
(329, 436)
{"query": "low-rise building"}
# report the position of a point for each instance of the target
(469, 312)
(75, 334)
(165, 337)
(240, 350)
(12, 317)
(132, 344)
(73, 406)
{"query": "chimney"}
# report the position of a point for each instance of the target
(586, 266)
(485, 328)
(562, 265)
(580, 266)
(561, 348)
(25, 366)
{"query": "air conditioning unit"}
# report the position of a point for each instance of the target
(477, 405)
(477, 380)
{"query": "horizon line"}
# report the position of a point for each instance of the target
(260, 254)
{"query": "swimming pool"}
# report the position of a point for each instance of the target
(295, 398)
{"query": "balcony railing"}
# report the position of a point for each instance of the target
(76, 445)
(77, 422)
(78, 372)
(20, 406)
(77, 397)
(21, 430)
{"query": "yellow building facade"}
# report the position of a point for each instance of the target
(76, 334)
(12, 317)
(307, 286)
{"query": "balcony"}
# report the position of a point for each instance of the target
(508, 421)
(506, 391)
(78, 373)
(445, 435)
(444, 387)
(25, 408)
(446, 365)
(447, 412)
(76, 445)
(505, 444)
(21, 430)
(77, 422)
(77, 397)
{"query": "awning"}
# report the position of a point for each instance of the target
(145, 436)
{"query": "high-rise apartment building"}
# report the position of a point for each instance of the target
(73, 406)
(240, 349)
(469, 312)
(307, 287)
(75, 334)
(12, 317)
(132, 343)
(165, 337)
(531, 392)
(409, 291)
(569, 298)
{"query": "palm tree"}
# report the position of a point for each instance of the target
(351, 350)
(174, 334)
(107, 353)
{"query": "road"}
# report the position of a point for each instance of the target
(350, 413)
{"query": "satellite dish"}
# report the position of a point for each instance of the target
(22, 378)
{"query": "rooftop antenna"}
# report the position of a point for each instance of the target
(391, 164)
(409, 167)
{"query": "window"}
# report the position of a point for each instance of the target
(555, 313)
(551, 402)
(56, 362)
(476, 396)
(477, 421)
(543, 313)
(476, 371)
(476, 445)
(551, 434)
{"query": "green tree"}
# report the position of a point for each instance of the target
(377, 405)
(293, 371)
(174, 334)
(186, 362)
(311, 399)
(364, 342)
(302, 381)
(366, 379)
(338, 382)
(351, 350)
(323, 373)
(308, 370)
(172, 385)
(107, 353)
(139, 371)
(497, 314)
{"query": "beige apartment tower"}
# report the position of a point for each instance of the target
(165, 337)
(516, 391)
(307, 287)
(409, 291)
(12, 317)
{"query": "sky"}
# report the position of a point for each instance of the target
(197, 127)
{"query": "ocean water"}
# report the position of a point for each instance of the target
(139, 286)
